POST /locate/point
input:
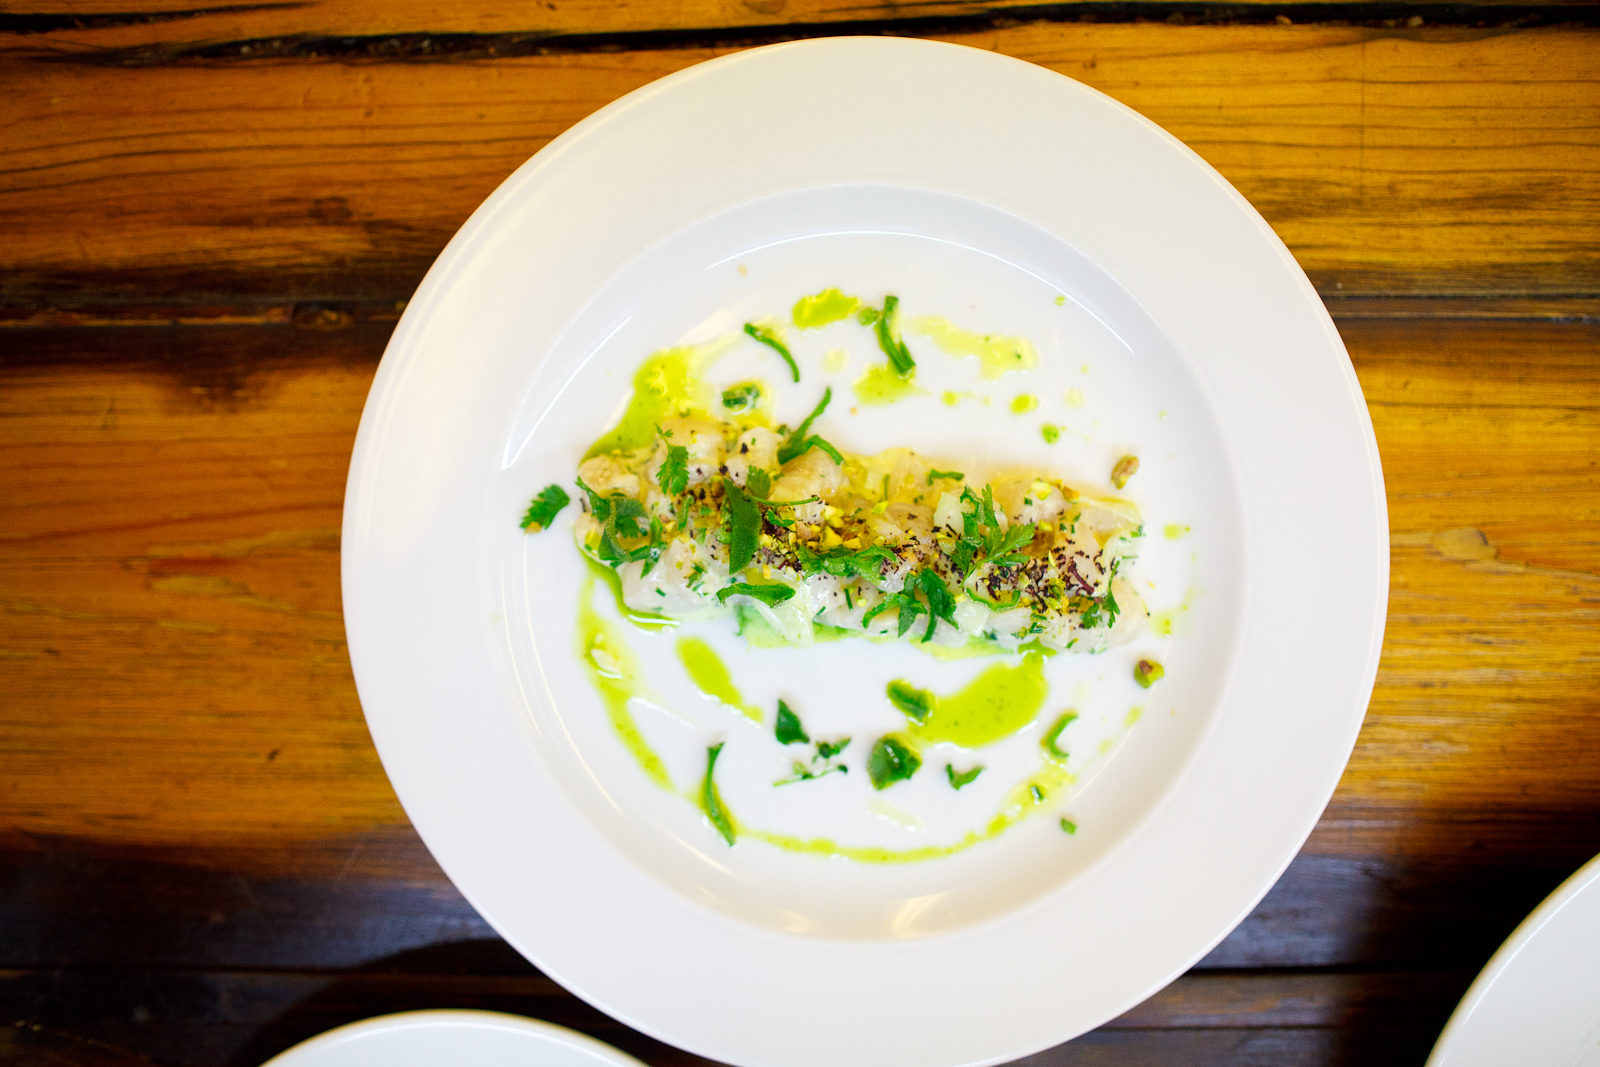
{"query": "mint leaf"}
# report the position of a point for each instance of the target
(964, 778)
(789, 730)
(744, 527)
(770, 595)
(891, 761)
(545, 507)
(917, 704)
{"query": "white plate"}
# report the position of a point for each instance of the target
(1537, 1003)
(448, 1038)
(977, 187)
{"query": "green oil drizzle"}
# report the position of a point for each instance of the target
(668, 385)
(996, 355)
(1023, 403)
(710, 675)
(1175, 530)
(996, 704)
(614, 670)
(880, 386)
(830, 305)
(1174, 620)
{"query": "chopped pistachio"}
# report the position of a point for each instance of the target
(1148, 672)
(1126, 468)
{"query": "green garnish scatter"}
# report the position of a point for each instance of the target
(891, 761)
(1148, 672)
(743, 398)
(952, 475)
(711, 800)
(623, 518)
(1051, 742)
(1050, 433)
(830, 305)
(765, 335)
(917, 704)
(821, 763)
(545, 507)
(867, 316)
(799, 443)
(674, 472)
(1023, 403)
(964, 778)
(789, 731)
(888, 330)
(770, 595)
(1069, 826)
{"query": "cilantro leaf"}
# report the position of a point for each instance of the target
(891, 761)
(545, 507)
(917, 704)
(964, 778)
(770, 339)
(711, 800)
(770, 595)
(674, 472)
(789, 731)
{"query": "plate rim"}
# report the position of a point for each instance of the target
(450, 1019)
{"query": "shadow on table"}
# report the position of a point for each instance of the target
(484, 975)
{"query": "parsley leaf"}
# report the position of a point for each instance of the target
(770, 595)
(891, 761)
(711, 800)
(888, 332)
(917, 704)
(789, 731)
(770, 339)
(545, 507)
(964, 778)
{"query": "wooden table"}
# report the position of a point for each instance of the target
(211, 220)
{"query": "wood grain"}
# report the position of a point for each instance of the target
(177, 25)
(1425, 161)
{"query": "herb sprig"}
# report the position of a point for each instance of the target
(770, 339)
(545, 507)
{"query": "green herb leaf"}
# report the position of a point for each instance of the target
(1052, 738)
(770, 595)
(789, 731)
(770, 339)
(830, 749)
(545, 507)
(964, 778)
(599, 506)
(917, 704)
(758, 482)
(1068, 825)
(889, 338)
(674, 472)
(1004, 551)
(953, 475)
(798, 443)
(743, 397)
(744, 527)
(941, 603)
(711, 800)
(891, 761)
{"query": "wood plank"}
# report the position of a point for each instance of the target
(217, 1018)
(1428, 161)
(177, 25)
